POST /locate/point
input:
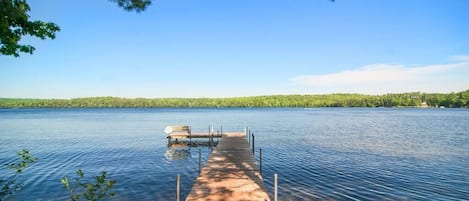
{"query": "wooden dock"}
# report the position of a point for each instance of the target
(185, 132)
(230, 173)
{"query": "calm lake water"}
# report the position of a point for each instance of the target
(319, 154)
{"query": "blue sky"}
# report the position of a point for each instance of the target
(213, 48)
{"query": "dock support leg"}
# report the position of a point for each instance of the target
(178, 187)
(249, 137)
(260, 161)
(190, 136)
(253, 150)
(200, 156)
(209, 144)
(211, 138)
(275, 187)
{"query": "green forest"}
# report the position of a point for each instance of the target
(414, 99)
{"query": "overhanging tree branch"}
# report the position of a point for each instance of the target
(15, 23)
(133, 5)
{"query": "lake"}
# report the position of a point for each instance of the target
(319, 153)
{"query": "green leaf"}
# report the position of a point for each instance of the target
(16, 24)
(66, 182)
(79, 172)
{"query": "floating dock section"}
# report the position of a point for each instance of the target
(230, 173)
(180, 135)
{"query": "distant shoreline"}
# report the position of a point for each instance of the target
(414, 100)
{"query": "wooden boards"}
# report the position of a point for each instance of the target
(230, 173)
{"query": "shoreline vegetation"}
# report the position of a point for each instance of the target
(413, 99)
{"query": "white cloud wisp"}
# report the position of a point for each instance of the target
(391, 78)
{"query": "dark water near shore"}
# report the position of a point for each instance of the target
(319, 154)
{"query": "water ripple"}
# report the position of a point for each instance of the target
(319, 154)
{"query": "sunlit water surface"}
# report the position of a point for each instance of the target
(319, 154)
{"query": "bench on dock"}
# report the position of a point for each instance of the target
(178, 131)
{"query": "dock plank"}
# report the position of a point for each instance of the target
(179, 135)
(230, 173)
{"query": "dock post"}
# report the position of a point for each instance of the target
(221, 129)
(178, 187)
(253, 150)
(200, 156)
(260, 161)
(275, 187)
(249, 137)
(190, 136)
(211, 137)
(209, 144)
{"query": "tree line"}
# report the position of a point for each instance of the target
(414, 99)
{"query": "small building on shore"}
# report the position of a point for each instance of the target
(424, 104)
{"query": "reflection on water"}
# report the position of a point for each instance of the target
(177, 153)
(178, 150)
